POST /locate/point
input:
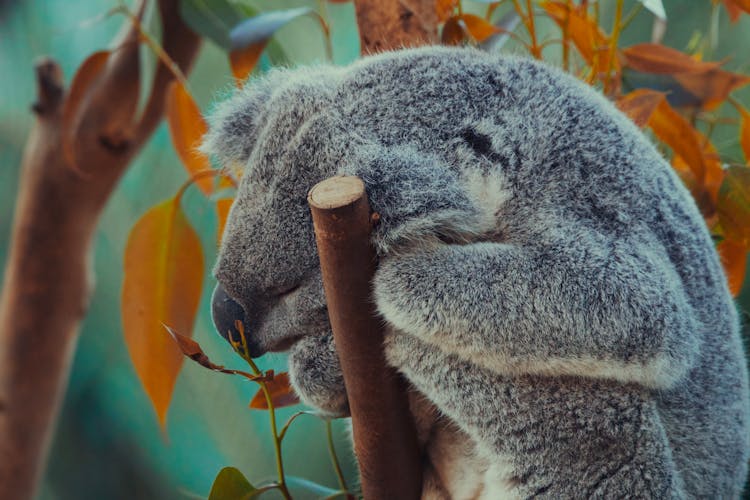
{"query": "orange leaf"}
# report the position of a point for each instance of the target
(444, 9)
(83, 80)
(745, 133)
(222, 211)
(640, 104)
(659, 59)
(453, 33)
(162, 286)
(187, 128)
(588, 38)
(243, 60)
(712, 87)
(677, 133)
(733, 257)
(281, 391)
(479, 29)
(735, 8)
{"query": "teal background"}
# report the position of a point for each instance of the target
(107, 443)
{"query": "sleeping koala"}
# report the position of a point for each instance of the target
(550, 289)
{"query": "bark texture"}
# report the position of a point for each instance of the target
(385, 437)
(395, 24)
(47, 280)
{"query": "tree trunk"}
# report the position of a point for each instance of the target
(395, 24)
(48, 277)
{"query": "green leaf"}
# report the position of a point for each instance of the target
(656, 7)
(304, 488)
(214, 19)
(230, 484)
(258, 29)
(733, 204)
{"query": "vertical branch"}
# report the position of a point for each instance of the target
(47, 281)
(385, 440)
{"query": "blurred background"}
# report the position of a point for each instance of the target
(108, 443)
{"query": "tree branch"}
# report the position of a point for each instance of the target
(48, 281)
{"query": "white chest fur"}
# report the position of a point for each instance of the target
(456, 469)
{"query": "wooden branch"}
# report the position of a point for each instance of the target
(385, 439)
(48, 278)
(395, 24)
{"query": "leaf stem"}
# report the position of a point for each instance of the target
(334, 457)
(292, 419)
(631, 15)
(535, 51)
(201, 175)
(566, 37)
(157, 48)
(241, 348)
(616, 28)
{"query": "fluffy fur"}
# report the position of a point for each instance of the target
(550, 288)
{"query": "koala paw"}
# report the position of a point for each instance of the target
(316, 375)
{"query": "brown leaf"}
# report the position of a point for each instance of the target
(281, 391)
(187, 128)
(745, 133)
(733, 257)
(444, 9)
(162, 285)
(85, 77)
(659, 59)
(453, 33)
(222, 211)
(640, 104)
(712, 87)
(710, 84)
(193, 350)
(677, 133)
(243, 60)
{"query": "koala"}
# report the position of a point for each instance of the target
(550, 290)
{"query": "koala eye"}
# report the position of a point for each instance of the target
(282, 292)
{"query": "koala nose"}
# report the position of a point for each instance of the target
(225, 311)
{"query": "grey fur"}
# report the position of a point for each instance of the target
(549, 285)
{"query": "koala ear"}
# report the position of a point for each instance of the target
(234, 122)
(418, 198)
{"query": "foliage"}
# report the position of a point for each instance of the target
(684, 99)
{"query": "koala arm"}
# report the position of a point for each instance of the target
(611, 309)
(547, 437)
(316, 375)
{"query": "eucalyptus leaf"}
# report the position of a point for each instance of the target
(260, 28)
(304, 488)
(656, 7)
(231, 484)
(214, 19)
